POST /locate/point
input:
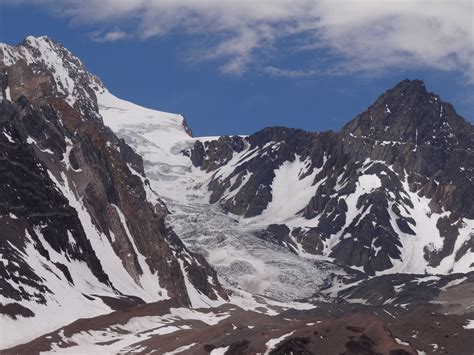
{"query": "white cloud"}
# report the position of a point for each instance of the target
(289, 73)
(110, 36)
(365, 35)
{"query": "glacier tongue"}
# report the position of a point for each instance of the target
(241, 259)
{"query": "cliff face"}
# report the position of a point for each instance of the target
(391, 192)
(80, 226)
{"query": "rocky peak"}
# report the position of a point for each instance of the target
(409, 152)
(37, 62)
(409, 90)
(49, 61)
(409, 114)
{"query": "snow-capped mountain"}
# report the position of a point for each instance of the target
(82, 232)
(312, 238)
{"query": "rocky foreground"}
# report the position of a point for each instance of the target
(439, 327)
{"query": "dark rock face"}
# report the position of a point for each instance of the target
(67, 189)
(278, 234)
(409, 151)
(31, 204)
(431, 143)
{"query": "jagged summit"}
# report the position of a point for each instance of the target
(409, 114)
(408, 92)
(405, 114)
(42, 38)
(50, 61)
(408, 87)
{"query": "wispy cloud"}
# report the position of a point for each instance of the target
(289, 73)
(110, 36)
(365, 35)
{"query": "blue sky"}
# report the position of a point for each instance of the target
(230, 72)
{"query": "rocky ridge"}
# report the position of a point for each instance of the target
(81, 229)
(391, 192)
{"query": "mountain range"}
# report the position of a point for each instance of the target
(121, 232)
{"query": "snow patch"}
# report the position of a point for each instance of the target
(180, 349)
(9, 137)
(219, 351)
(469, 324)
(290, 193)
(272, 343)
